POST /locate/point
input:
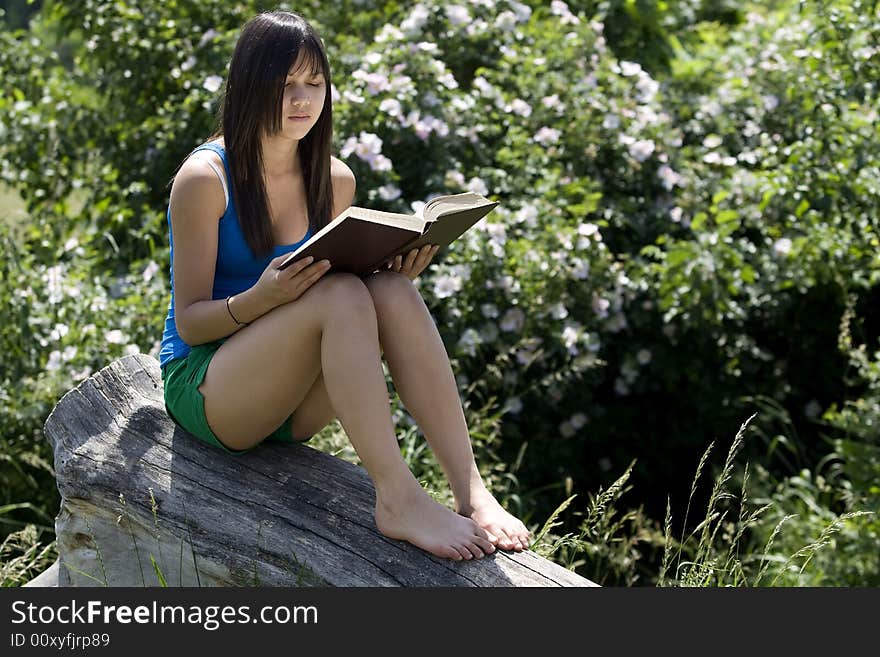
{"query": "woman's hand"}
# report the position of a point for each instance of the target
(415, 261)
(282, 286)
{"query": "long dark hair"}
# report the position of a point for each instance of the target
(268, 46)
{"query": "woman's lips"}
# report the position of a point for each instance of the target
(299, 117)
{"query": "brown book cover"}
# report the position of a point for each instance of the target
(360, 240)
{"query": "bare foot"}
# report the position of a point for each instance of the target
(426, 524)
(507, 531)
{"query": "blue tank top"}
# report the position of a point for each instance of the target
(236, 271)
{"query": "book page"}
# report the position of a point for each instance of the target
(437, 207)
(388, 218)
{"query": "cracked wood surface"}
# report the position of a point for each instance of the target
(136, 488)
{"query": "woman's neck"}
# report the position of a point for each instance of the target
(280, 157)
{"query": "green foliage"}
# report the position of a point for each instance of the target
(689, 200)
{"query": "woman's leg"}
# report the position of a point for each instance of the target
(424, 380)
(330, 330)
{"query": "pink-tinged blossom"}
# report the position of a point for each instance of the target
(552, 102)
(376, 82)
(546, 136)
(668, 177)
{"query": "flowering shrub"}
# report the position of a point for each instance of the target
(685, 206)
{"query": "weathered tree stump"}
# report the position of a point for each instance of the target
(136, 489)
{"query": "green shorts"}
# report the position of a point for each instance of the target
(185, 404)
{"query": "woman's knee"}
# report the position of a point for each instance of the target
(342, 296)
(391, 288)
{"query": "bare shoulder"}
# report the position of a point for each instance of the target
(343, 184)
(196, 188)
(197, 185)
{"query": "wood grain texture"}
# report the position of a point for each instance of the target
(281, 515)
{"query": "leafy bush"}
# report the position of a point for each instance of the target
(689, 203)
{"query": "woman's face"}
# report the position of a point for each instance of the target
(304, 92)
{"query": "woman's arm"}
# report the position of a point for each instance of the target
(197, 203)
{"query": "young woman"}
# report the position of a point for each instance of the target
(252, 353)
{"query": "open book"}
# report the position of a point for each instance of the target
(360, 241)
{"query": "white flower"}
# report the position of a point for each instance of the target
(546, 136)
(115, 337)
(527, 215)
(587, 229)
(580, 268)
(668, 177)
(477, 186)
(520, 107)
(566, 429)
(454, 179)
(600, 306)
(620, 387)
(642, 149)
(505, 21)
(150, 271)
(513, 320)
(71, 244)
(675, 214)
(69, 353)
(782, 246)
(559, 8)
(570, 336)
(54, 362)
(611, 122)
(131, 349)
(416, 19)
(458, 15)
(771, 102)
(212, 83)
(643, 356)
(446, 285)
(630, 68)
(391, 106)
(712, 141)
(559, 311)
(489, 310)
(389, 192)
